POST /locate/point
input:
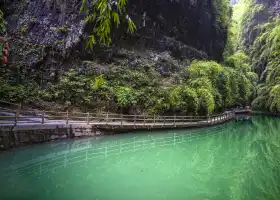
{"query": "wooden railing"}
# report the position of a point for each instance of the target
(5, 105)
(107, 119)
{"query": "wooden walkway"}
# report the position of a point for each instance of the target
(12, 116)
(21, 118)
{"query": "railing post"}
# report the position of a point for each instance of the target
(107, 116)
(154, 120)
(144, 120)
(121, 119)
(134, 121)
(43, 117)
(67, 117)
(163, 120)
(174, 120)
(16, 117)
(87, 117)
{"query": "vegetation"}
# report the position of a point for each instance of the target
(62, 29)
(209, 87)
(223, 11)
(248, 73)
(103, 14)
(260, 40)
(265, 61)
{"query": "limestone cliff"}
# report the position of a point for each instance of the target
(48, 36)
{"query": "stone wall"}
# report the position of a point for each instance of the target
(14, 137)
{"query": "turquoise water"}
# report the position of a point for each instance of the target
(238, 160)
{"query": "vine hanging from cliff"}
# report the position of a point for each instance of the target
(103, 14)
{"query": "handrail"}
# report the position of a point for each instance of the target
(17, 106)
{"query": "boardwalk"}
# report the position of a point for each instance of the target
(42, 119)
(11, 116)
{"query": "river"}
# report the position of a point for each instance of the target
(237, 160)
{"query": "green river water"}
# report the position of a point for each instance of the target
(237, 160)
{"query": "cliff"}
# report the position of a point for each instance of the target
(259, 37)
(185, 29)
(48, 59)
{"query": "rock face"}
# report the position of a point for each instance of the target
(262, 12)
(272, 5)
(180, 30)
(45, 22)
(174, 24)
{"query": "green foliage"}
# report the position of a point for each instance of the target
(23, 29)
(223, 12)
(19, 93)
(239, 61)
(265, 55)
(104, 14)
(219, 86)
(260, 39)
(62, 29)
(184, 99)
(206, 100)
(73, 89)
(59, 42)
(274, 99)
(98, 82)
(126, 96)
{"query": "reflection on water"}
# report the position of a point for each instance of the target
(237, 160)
